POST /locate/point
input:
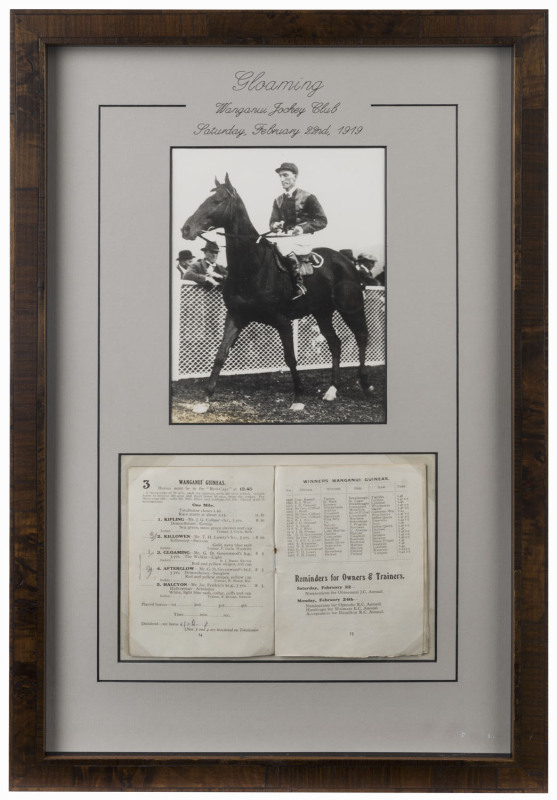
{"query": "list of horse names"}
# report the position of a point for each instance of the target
(239, 562)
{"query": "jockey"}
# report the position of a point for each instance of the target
(297, 214)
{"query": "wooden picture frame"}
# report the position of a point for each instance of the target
(33, 33)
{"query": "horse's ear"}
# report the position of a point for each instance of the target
(217, 184)
(229, 186)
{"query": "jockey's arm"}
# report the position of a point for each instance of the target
(315, 219)
(276, 220)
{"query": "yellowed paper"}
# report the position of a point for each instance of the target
(351, 561)
(201, 561)
(292, 561)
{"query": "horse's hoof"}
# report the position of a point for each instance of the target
(330, 394)
(297, 407)
(200, 408)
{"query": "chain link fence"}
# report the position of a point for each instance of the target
(259, 349)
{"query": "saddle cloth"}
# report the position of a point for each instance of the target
(306, 267)
(307, 262)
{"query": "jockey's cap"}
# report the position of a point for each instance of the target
(367, 257)
(287, 166)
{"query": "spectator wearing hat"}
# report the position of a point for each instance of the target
(206, 271)
(297, 214)
(185, 260)
(349, 255)
(366, 265)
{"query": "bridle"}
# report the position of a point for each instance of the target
(256, 238)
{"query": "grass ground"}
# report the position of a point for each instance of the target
(266, 398)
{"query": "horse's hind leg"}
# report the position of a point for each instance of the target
(232, 330)
(325, 322)
(356, 321)
(284, 329)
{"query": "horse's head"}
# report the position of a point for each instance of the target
(213, 212)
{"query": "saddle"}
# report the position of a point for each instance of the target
(307, 262)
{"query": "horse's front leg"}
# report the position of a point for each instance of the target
(284, 329)
(232, 329)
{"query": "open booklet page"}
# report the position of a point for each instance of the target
(201, 561)
(351, 561)
(239, 562)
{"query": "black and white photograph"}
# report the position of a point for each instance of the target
(278, 281)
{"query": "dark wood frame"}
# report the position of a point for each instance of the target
(33, 32)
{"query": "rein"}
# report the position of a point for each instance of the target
(251, 237)
(256, 238)
(245, 235)
(200, 235)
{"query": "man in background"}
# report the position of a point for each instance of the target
(370, 274)
(185, 260)
(205, 271)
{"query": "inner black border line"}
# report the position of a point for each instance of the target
(457, 564)
(99, 177)
(457, 353)
(297, 661)
(278, 147)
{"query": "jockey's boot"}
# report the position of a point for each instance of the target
(297, 280)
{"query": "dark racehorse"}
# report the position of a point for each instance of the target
(255, 290)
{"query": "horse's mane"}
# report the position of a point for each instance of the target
(261, 241)
(266, 243)
(269, 249)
